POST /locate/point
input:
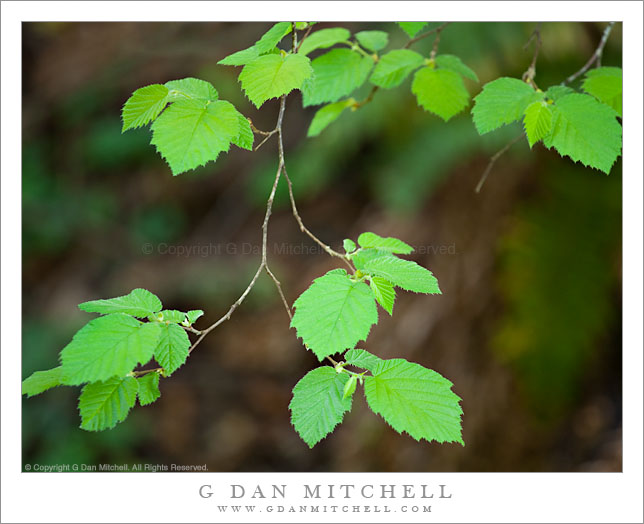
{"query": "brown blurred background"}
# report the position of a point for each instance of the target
(528, 327)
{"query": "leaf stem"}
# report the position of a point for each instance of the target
(356, 47)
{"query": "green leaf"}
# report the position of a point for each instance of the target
(416, 400)
(104, 404)
(108, 346)
(349, 245)
(350, 387)
(537, 121)
(326, 115)
(143, 106)
(501, 102)
(138, 303)
(373, 40)
(271, 76)
(190, 133)
(148, 388)
(556, 92)
(605, 84)
(585, 130)
(440, 91)
(362, 359)
(172, 315)
(402, 273)
(245, 138)
(272, 37)
(318, 406)
(41, 381)
(334, 313)
(336, 74)
(454, 63)
(394, 67)
(412, 28)
(242, 57)
(191, 89)
(193, 315)
(323, 39)
(172, 349)
(391, 244)
(384, 292)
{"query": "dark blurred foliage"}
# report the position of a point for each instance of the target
(527, 328)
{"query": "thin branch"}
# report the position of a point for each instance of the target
(268, 135)
(279, 290)
(596, 57)
(146, 371)
(368, 99)
(308, 31)
(437, 40)
(493, 160)
(230, 310)
(305, 230)
(192, 330)
(259, 131)
(426, 34)
(530, 73)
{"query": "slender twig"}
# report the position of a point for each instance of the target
(306, 231)
(596, 57)
(426, 34)
(268, 135)
(146, 371)
(493, 160)
(308, 31)
(259, 131)
(531, 72)
(192, 330)
(356, 47)
(281, 293)
(437, 40)
(368, 99)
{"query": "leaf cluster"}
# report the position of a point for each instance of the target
(582, 126)
(334, 314)
(103, 354)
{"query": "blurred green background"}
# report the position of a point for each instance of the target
(529, 324)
